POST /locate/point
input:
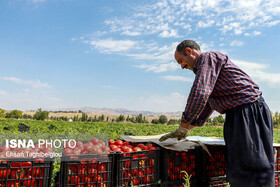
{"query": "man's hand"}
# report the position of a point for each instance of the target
(178, 133)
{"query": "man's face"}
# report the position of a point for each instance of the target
(186, 61)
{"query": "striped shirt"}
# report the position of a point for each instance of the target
(219, 85)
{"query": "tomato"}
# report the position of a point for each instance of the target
(79, 144)
(126, 149)
(152, 148)
(67, 151)
(29, 182)
(137, 149)
(36, 172)
(87, 148)
(105, 149)
(111, 142)
(119, 142)
(94, 141)
(70, 144)
(140, 145)
(76, 150)
(73, 179)
(113, 147)
(102, 143)
(145, 148)
(4, 173)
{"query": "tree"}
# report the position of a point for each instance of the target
(173, 122)
(120, 118)
(139, 118)
(76, 118)
(155, 121)
(219, 120)
(101, 118)
(14, 114)
(41, 115)
(276, 119)
(162, 119)
(127, 118)
(26, 116)
(84, 117)
(2, 113)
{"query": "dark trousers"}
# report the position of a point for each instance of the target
(248, 133)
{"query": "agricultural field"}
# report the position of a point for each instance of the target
(111, 130)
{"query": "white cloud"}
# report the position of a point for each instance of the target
(202, 24)
(109, 45)
(168, 34)
(158, 68)
(255, 33)
(259, 72)
(131, 33)
(229, 16)
(178, 78)
(236, 43)
(3, 92)
(33, 83)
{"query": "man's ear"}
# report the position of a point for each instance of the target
(188, 51)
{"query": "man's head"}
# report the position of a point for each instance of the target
(186, 54)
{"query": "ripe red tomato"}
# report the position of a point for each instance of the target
(113, 147)
(105, 149)
(137, 149)
(94, 141)
(67, 151)
(4, 173)
(140, 145)
(76, 151)
(119, 142)
(79, 144)
(111, 142)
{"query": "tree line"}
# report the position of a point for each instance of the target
(43, 115)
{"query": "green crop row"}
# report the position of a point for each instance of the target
(112, 130)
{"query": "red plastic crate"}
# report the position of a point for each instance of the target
(139, 168)
(173, 162)
(93, 170)
(215, 165)
(27, 172)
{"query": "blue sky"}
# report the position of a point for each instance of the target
(120, 54)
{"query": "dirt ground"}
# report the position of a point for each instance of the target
(111, 116)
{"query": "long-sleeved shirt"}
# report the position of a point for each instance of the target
(219, 85)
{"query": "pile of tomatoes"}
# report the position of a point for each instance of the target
(94, 146)
(22, 174)
(126, 147)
